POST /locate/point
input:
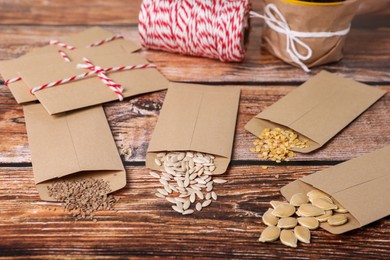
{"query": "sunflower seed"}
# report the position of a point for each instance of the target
(208, 196)
(302, 234)
(163, 182)
(288, 238)
(171, 200)
(155, 175)
(198, 206)
(180, 200)
(337, 220)
(160, 155)
(167, 189)
(160, 195)
(162, 191)
(206, 203)
(192, 197)
(214, 195)
(309, 222)
(177, 209)
(181, 156)
(199, 194)
(288, 222)
(220, 180)
(157, 161)
(188, 211)
(186, 182)
(269, 219)
(186, 205)
(169, 170)
(269, 234)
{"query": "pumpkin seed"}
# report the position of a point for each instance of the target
(308, 210)
(284, 210)
(298, 199)
(324, 217)
(288, 238)
(323, 203)
(309, 222)
(269, 234)
(337, 220)
(287, 222)
(302, 234)
(269, 219)
(275, 203)
(316, 194)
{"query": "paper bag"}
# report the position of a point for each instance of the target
(311, 18)
(48, 56)
(73, 145)
(318, 109)
(361, 185)
(196, 118)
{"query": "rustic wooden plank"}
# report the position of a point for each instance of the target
(145, 225)
(364, 61)
(132, 123)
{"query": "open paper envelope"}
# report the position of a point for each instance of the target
(196, 118)
(9, 69)
(75, 142)
(92, 91)
(361, 185)
(85, 38)
(318, 109)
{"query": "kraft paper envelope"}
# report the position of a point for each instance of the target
(92, 91)
(361, 185)
(318, 109)
(9, 69)
(196, 118)
(85, 38)
(73, 145)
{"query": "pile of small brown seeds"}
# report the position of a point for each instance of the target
(292, 222)
(276, 144)
(187, 179)
(82, 198)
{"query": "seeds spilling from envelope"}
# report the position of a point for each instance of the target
(82, 198)
(292, 222)
(186, 179)
(276, 144)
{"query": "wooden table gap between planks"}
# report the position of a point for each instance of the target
(145, 226)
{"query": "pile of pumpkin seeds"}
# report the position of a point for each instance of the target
(310, 209)
(276, 144)
(82, 198)
(186, 179)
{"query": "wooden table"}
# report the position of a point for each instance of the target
(145, 226)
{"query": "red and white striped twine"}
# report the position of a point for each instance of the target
(115, 37)
(61, 44)
(213, 28)
(9, 81)
(95, 70)
(64, 55)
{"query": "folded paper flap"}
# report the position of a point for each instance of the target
(69, 143)
(197, 118)
(322, 106)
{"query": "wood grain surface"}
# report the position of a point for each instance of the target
(146, 226)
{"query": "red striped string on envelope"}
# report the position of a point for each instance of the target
(213, 28)
(70, 47)
(9, 81)
(96, 70)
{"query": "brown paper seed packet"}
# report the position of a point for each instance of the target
(196, 118)
(318, 109)
(361, 185)
(91, 90)
(72, 146)
(311, 18)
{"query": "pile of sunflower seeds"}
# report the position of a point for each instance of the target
(82, 198)
(314, 208)
(276, 144)
(186, 179)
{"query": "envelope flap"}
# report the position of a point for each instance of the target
(92, 91)
(322, 106)
(197, 118)
(69, 143)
